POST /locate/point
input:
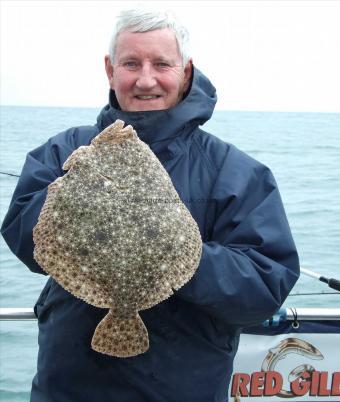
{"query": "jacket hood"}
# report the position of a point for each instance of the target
(158, 125)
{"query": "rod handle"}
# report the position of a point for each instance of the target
(334, 284)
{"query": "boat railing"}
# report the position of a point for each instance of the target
(284, 314)
(17, 314)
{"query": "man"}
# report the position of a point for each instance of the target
(249, 262)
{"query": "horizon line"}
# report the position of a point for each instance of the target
(216, 110)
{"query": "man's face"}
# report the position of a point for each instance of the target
(147, 73)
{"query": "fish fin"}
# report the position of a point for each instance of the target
(75, 155)
(120, 337)
(116, 133)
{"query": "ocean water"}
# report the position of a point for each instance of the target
(302, 149)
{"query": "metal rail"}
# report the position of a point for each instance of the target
(289, 314)
(323, 314)
(14, 314)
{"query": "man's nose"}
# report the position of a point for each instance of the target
(146, 79)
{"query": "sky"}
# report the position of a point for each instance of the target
(260, 55)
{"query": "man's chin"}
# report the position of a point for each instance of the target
(146, 108)
(139, 105)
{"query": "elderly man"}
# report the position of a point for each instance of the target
(248, 265)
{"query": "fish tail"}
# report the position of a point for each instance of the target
(120, 337)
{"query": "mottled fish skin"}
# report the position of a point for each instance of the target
(114, 233)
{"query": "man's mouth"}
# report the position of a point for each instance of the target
(147, 97)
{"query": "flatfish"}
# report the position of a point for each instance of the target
(114, 233)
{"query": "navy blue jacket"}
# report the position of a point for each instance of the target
(248, 266)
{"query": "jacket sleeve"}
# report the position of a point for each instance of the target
(249, 263)
(42, 166)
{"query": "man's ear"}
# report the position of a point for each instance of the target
(109, 71)
(187, 75)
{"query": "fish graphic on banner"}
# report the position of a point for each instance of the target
(297, 368)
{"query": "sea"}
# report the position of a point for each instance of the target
(302, 150)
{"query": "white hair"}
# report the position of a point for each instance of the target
(143, 20)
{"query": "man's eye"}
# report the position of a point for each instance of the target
(130, 65)
(162, 65)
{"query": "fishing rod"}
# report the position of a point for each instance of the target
(331, 282)
(313, 293)
(10, 174)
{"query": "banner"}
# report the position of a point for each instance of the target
(288, 364)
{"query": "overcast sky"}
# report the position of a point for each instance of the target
(260, 55)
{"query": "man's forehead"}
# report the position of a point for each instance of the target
(158, 43)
